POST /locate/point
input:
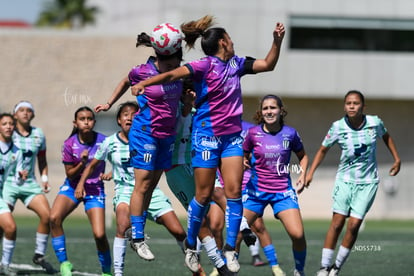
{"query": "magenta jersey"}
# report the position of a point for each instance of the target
(71, 155)
(158, 105)
(270, 157)
(219, 101)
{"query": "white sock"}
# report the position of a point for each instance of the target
(8, 248)
(244, 224)
(327, 255)
(342, 255)
(198, 246)
(254, 248)
(119, 255)
(41, 243)
(212, 251)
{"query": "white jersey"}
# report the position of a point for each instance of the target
(358, 162)
(182, 147)
(116, 152)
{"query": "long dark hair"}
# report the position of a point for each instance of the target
(259, 117)
(82, 108)
(209, 37)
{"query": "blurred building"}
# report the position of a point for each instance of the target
(330, 47)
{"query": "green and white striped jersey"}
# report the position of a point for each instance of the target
(358, 162)
(182, 146)
(116, 152)
(30, 146)
(11, 163)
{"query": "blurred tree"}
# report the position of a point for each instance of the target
(67, 14)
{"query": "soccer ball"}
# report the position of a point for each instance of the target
(166, 39)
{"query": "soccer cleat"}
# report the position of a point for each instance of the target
(323, 271)
(256, 261)
(298, 273)
(7, 271)
(231, 259)
(40, 260)
(191, 259)
(142, 249)
(248, 237)
(66, 268)
(333, 271)
(277, 271)
(106, 274)
(224, 271)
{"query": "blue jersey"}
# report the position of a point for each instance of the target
(158, 105)
(270, 158)
(219, 101)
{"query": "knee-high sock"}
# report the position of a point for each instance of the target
(8, 249)
(105, 261)
(271, 255)
(59, 245)
(119, 250)
(195, 215)
(234, 213)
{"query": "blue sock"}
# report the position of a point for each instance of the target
(195, 215)
(300, 258)
(137, 226)
(59, 245)
(105, 261)
(234, 214)
(271, 255)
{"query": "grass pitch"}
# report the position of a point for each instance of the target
(383, 248)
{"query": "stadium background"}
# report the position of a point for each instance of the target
(61, 70)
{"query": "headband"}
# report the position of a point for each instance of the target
(23, 104)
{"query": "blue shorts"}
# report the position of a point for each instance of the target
(150, 153)
(207, 151)
(89, 201)
(257, 201)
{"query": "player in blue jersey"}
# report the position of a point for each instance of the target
(116, 150)
(78, 150)
(152, 135)
(216, 141)
(31, 141)
(11, 165)
(357, 177)
(267, 150)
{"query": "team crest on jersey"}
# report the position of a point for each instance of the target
(206, 155)
(371, 132)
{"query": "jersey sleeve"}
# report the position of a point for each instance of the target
(331, 137)
(297, 144)
(67, 153)
(248, 143)
(381, 129)
(103, 149)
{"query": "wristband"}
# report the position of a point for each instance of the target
(44, 178)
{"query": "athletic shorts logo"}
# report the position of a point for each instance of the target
(206, 154)
(147, 157)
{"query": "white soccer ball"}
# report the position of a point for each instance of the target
(166, 39)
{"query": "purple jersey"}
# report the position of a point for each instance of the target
(158, 105)
(270, 157)
(219, 101)
(71, 155)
